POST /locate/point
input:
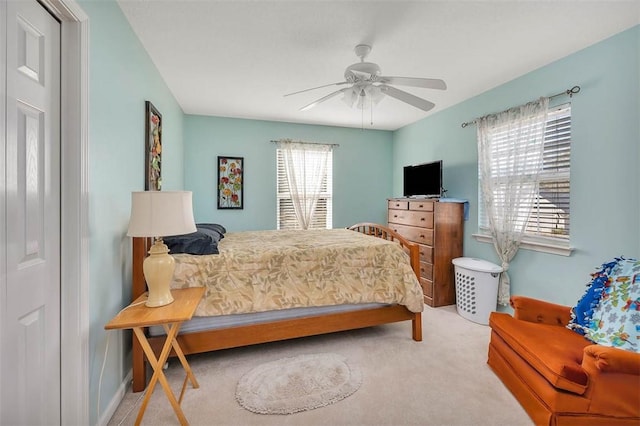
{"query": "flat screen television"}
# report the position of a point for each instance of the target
(423, 180)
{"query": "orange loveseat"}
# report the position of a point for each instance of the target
(558, 376)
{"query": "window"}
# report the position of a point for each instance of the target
(322, 213)
(549, 221)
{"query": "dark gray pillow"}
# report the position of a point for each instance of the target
(203, 241)
(215, 228)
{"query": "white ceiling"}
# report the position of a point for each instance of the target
(238, 58)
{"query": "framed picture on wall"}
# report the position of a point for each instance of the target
(230, 182)
(153, 148)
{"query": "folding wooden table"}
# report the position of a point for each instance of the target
(137, 316)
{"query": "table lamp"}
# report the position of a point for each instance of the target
(160, 214)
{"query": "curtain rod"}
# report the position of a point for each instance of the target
(307, 143)
(568, 92)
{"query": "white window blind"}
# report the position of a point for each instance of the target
(286, 216)
(549, 218)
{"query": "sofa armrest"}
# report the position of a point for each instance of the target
(540, 311)
(611, 360)
(614, 375)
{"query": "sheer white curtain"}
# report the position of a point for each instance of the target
(510, 154)
(306, 168)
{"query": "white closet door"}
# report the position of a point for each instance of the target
(30, 360)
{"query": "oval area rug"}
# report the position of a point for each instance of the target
(291, 385)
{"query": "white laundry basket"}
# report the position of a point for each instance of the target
(476, 288)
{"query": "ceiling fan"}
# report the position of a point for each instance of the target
(367, 85)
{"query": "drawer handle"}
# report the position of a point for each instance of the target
(420, 206)
(422, 219)
(395, 215)
(421, 236)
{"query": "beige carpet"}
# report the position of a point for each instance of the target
(443, 380)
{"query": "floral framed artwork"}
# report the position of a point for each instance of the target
(153, 148)
(230, 182)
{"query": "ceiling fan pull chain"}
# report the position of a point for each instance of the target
(371, 111)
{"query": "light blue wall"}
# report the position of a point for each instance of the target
(361, 169)
(605, 182)
(121, 78)
(367, 168)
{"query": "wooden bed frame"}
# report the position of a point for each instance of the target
(211, 340)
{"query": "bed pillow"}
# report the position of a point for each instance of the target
(203, 241)
(214, 227)
(616, 320)
(582, 312)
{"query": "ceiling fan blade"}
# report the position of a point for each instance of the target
(427, 83)
(329, 96)
(314, 88)
(407, 97)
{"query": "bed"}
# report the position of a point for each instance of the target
(356, 282)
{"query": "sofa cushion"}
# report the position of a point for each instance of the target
(554, 351)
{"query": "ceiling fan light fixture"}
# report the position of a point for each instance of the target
(370, 95)
(350, 96)
(374, 93)
(368, 86)
(364, 103)
(362, 96)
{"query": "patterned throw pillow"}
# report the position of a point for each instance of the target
(616, 319)
(581, 313)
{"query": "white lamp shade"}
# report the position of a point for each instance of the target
(161, 213)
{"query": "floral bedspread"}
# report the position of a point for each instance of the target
(260, 271)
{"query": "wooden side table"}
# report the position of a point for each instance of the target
(137, 315)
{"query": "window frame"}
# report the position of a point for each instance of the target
(326, 195)
(553, 245)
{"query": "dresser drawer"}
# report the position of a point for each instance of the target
(426, 270)
(400, 205)
(426, 253)
(427, 287)
(421, 219)
(426, 206)
(418, 235)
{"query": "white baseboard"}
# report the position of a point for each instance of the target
(115, 401)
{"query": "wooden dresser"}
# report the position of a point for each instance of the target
(438, 229)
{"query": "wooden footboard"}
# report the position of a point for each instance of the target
(385, 233)
(205, 341)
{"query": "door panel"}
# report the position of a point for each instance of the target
(31, 311)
